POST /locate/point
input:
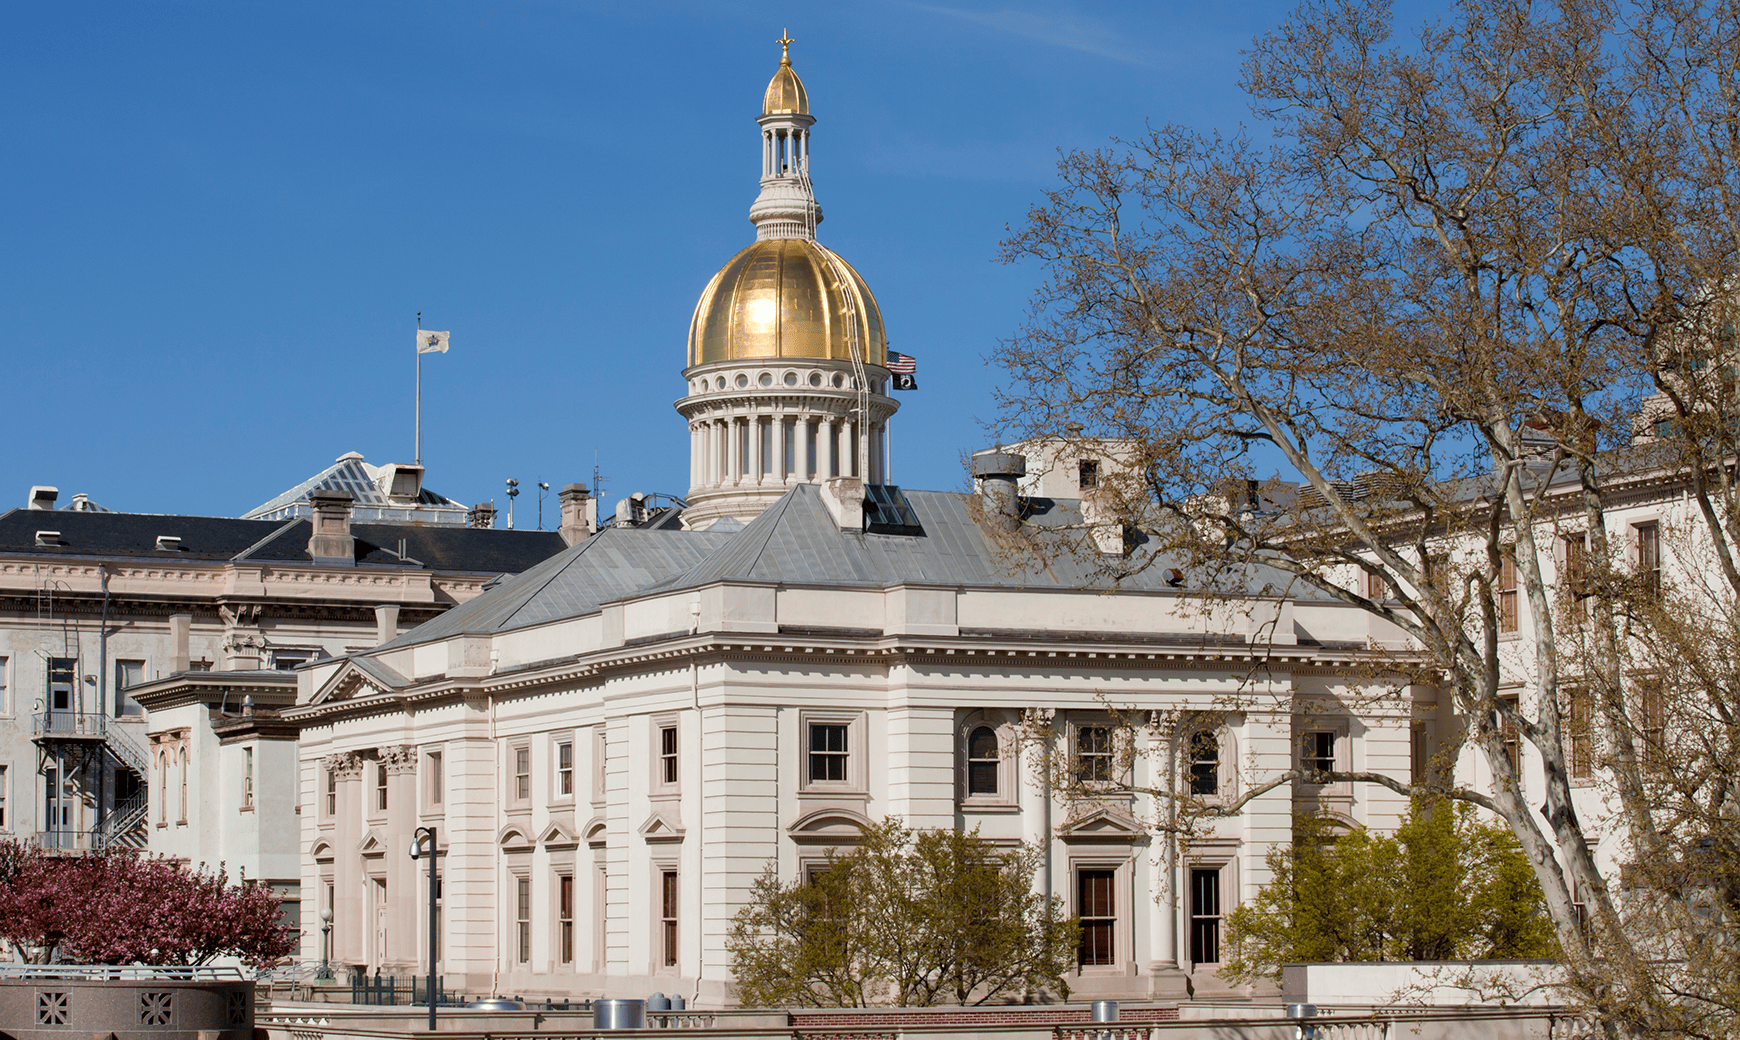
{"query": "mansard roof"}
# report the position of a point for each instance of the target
(221, 539)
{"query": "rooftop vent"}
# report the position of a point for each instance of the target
(400, 482)
(48, 538)
(42, 497)
(168, 543)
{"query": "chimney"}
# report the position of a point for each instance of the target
(844, 497)
(482, 515)
(179, 627)
(386, 622)
(42, 497)
(332, 544)
(997, 472)
(578, 518)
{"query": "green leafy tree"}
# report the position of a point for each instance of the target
(1445, 886)
(907, 917)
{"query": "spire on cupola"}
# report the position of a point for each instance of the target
(786, 207)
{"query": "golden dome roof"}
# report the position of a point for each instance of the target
(785, 93)
(780, 299)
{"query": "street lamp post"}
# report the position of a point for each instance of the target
(434, 916)
(325, 972)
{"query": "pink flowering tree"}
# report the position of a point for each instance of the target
(121, 908)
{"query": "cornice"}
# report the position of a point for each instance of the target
(880, 651)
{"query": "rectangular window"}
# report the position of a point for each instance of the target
(1205, 762)
(1507, 619)
(1377, 589)
(522, 774)
(3, 824)
(1318, 755)
(1096, 905)
(1574, 586)
(1093, 754)
(128, 674)
(62, 673)
(1580, 733)
(668, 755)
(1420, 752)
(1649, 557)
(828, 752)
(5, 685)
(565, 916)
(437, 782)
(331, 792)
(1087, 474)
(668, 916)
(1650, 716)
(1512, 742)
(381, 786)
(247, 778)
(565, 768)
(523, 917)
(1205, 915)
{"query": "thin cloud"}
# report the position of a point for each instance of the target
(1068, 29)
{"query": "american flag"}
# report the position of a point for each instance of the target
(902, 364)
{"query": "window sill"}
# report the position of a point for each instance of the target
(246, 808)
(518, 809)
(666, 794)
(988, 806)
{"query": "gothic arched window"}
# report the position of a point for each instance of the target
(982, 761)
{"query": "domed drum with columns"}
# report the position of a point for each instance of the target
(787, 356)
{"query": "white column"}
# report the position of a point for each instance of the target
(733, 460)
(755, 468)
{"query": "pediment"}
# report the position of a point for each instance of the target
(513, 838)
(1104, 825)
(353, 680)
(596, 832)
(658, 829)
(831, 826)
(348, 683)
(557, 836)
(322, 849)
(371, 844)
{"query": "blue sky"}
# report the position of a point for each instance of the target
(218, 221)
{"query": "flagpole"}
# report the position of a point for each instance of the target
(417, 435)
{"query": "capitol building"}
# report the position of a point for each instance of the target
(615, 743)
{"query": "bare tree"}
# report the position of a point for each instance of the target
(1395, 352)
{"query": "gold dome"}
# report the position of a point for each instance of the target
(785, 93)
(780, 299)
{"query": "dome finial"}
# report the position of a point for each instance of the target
(785, 41)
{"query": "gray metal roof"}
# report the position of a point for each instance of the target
(797, 542)
(612, 564)
(350, 473)
(794, 542)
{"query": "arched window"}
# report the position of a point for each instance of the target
(163, 787)
(1204, 762)
(183, 818)
(982, 761)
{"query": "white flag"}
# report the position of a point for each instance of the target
(431, 342)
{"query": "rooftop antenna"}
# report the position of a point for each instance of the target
(542, 487)
(597, 478)
(513, 492)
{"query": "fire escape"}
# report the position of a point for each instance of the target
(75, 751)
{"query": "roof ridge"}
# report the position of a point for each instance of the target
(245, 553)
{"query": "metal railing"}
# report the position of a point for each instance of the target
(115, 972)
(69, 724)
(120, 826)
(127, 750)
